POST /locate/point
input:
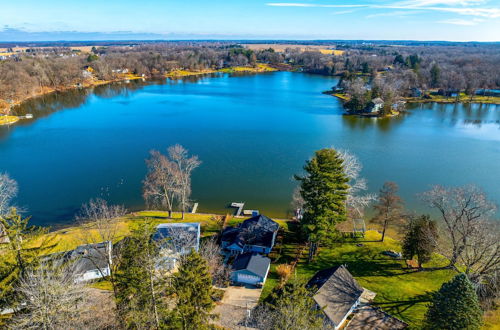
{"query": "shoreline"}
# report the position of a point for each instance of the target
(175, 74)
(478, 99)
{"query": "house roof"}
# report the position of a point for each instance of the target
(258, 230)
(337, 292)
(88, 257)
(377, 100)
(252, 262)
(178, 235)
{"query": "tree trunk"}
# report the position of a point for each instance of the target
(383, 230)
(170, 213)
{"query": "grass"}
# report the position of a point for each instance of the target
(260, 67)
(7, 120)
(401, 292)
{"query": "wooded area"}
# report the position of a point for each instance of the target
(389, 70)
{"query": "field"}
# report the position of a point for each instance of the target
(281, 48)
(401, 292)
(6, 120)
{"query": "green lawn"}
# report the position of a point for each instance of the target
(401, 292)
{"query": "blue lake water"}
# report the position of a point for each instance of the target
(252, 132)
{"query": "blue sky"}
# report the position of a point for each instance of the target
(456, 20)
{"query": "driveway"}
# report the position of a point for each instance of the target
(235, 306)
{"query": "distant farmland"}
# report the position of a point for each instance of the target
(282, 47)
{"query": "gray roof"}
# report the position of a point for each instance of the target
(178, 236)
(258, 230)
(85, 257)
(252, 262)
(337, 292)
(377, 100)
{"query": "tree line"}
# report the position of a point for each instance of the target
(392, 70)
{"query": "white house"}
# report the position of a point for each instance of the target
(375, 105)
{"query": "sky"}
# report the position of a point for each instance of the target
(452, 20)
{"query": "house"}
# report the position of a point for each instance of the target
(176, 240)
(91, 261)
(250, 268)
(375, 105)
(337, 293)
(257, 234)
(416, 92)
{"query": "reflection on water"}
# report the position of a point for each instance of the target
(252, 132)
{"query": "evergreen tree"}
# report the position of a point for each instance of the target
(141, 292)
(290, 308)
(435, 75)
(24, 244)
(455, 306)
(420, 239)
(192, 285)
(324, 190)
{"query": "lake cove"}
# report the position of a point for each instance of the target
(252, 132)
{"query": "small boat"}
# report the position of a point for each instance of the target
(28, 116)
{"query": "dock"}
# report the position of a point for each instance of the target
(239, 207)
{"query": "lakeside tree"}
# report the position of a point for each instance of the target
(463, 211)
(357, 201)
(324, 189)
(389, 207)
(420, 239)
(290, 307)
(8, 190)
(168, 180)
(185, 166)
(455, 306)
(192, 285)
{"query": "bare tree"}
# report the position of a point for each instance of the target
(51, 298)
(185, 166)
(356, 201)
(8, 190)
(389, 206)
(160, 186)
(463, 210)
(481, 259)
(297, 203)
(101, 223)
(210, 251)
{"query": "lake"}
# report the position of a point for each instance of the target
(252, 132)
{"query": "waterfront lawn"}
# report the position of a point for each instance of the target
(401, 292)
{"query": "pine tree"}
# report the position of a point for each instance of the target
(291, 308)
(324, 190)
(420, 239)
(24, 244)
(141, 293)
(192, 285)
(455, 306)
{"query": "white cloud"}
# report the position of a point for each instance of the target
(458, 21)
(492, 12)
